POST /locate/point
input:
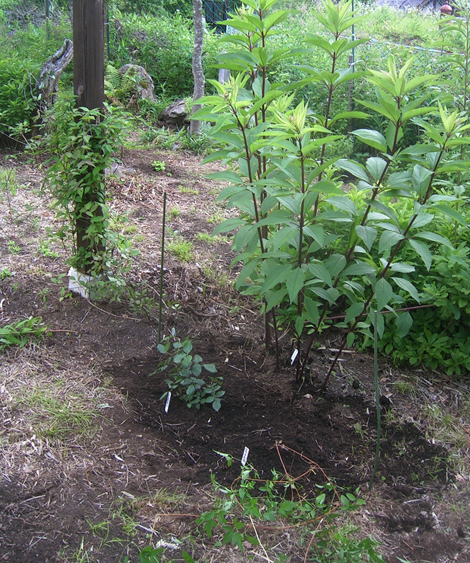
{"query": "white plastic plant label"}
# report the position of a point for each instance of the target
(294, 355)
(168, 399)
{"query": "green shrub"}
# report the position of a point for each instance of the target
(184, 7)
(163, 45)
(439, 337)
(18, 98)
(23, 52)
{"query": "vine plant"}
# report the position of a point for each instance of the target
(81, 143)
(308, 245)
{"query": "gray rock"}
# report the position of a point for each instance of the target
(175, 114)
(142, 79)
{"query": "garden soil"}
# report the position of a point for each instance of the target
(140, 475)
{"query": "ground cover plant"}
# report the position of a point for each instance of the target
(95, 467)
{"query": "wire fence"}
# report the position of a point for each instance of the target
(21, 13)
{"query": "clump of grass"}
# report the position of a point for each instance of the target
(182, 249)
(190, 191)
(57, 416)
(174, 212)
(210, 239)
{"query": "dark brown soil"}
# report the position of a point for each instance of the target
(47, 514)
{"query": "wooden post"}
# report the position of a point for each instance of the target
(88, 53)
(88, 81)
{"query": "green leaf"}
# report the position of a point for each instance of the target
(422, 219)
(417, 150)
(354, 311)
(210, 367)
(451, 212)
(295, 283)
(428, 235)
(274, 298)
(330, 295)
(225, 176)
(367, 235)
(299, 325)
(335, 263)
(178, 358)
(284, 235)
(228, 225)
(408, 287)
(320, 272)
(350, 339)
(358, 269)
(354, 168)
(345, 204)
(404, 321)
(245, 273)
(349, 115)
(423, 252)
(276, 275)
(389, 239)
(376, 166)
(325, 187)
(372, 138)
(311, 310)
(383, 293)
(402, 267)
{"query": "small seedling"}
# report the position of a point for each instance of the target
(5, 273)
(174, 212)
(158, 166)
(190, 191)
(13, 248)
(44, 249)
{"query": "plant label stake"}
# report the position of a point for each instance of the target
(294, 355)
(167, 404)
(246, 451)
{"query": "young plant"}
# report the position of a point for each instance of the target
(187, 379)
(158, 166)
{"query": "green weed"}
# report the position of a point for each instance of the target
(210, 239)
(158, 166)
(5, 273)
(13, 247)
(21, 333)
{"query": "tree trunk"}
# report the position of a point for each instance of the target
(198, 72)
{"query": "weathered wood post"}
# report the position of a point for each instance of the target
(88, 79)
(88, 53)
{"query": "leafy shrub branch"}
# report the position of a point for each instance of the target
(309, 245)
